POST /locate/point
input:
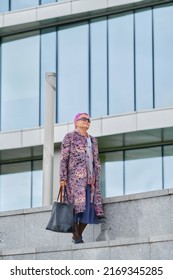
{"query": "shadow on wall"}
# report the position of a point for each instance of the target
(121, 221)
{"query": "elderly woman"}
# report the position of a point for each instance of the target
(80, 174)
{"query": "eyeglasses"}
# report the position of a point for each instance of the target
(84, 119)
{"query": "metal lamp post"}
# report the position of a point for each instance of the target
(48, 147)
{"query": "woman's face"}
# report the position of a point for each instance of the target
(83, 122)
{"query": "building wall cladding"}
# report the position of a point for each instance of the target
(33, 21)
(137, 226)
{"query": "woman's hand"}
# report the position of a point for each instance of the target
(63, 184)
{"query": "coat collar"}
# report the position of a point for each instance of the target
(77, 131)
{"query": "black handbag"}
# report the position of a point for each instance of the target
(61, 219)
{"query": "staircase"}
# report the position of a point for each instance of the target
(138, 226)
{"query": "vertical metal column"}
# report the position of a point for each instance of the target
(48, 148)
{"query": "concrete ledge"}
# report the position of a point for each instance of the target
(108, 200)
(62, 12)
(104, 126)
(26, 211)
(138, 226)
(138, 196)
(88, 5)
(109, 250)
(112, 3)
(19, 17)
(55, 10)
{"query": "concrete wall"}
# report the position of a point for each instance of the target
(121, 249)
(65, 11)
(103, 126)
(138, 226)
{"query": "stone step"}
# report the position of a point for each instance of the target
(149, 248)
(138, 226)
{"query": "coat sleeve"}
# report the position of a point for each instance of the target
(97, 164)
(97, 169)
(64, 158)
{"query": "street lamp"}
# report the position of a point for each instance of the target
(48, 146)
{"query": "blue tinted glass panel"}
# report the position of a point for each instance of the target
(143, 40)
(22, 4)
(139, 173)
(168, 163)
(4, 6)
(163, 46)
(48, 61)
(15, 186)
(72, 72)
(98, 47)
(112, 173)
(37, 178)
(20, 82)
(48, 1)
(121, 64)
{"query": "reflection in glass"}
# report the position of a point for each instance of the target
(20, 81)
(48, 1)
(48, 61)
(15, 186)
(72, 71)
(4, 6)
(143, 170)
(22, 4)
(168, 164)
(121, 64)
(37, 175)
(112, 164)
(98, 46)
(163, 42)
(23, 181)
(143, 47)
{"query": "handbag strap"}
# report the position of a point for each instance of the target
(60, 194)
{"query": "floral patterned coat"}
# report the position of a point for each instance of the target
(73, 169)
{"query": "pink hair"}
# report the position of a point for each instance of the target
(77, 117)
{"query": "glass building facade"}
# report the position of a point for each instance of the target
(124, 63)
(20, 185)
(131, 171)
(12, 5)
